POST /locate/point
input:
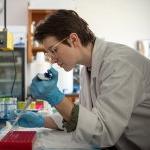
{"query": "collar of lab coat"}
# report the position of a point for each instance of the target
(97, 56)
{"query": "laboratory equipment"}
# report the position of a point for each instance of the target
(7, 73)
(6, 38)
(7, 62)
(28, 102)
(7, 46)
(18, 140)
(7, 106)
(39, 105)
(45, 76)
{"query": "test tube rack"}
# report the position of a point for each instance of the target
(18, 140)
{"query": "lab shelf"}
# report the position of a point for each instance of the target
(34, 16)
(7, 81)
(9, 64)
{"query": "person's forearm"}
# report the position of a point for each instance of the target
(50, 123)
(65, 108)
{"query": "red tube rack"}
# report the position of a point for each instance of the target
(18, 140)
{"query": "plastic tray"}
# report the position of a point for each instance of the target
(18, 140)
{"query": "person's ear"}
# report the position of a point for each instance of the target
(73, 39)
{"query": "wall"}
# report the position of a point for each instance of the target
(16, 12)
(124, 21)
(52, 4)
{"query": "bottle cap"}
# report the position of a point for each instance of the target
(40, 57)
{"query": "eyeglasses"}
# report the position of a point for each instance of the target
(53, 49)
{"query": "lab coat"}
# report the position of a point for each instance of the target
(115, 98)
(114, 104)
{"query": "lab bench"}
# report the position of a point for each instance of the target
(47, 139)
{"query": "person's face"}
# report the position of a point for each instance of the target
(60, 53)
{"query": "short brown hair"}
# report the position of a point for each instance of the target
(60, 24)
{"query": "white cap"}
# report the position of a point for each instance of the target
(40, 57)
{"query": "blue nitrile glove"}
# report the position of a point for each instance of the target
(47, 89)
(31, 120)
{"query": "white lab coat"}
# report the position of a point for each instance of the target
(115, 99)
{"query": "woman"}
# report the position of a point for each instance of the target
(114, 107)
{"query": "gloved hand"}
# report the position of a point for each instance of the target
(47, 89)
(31, 120)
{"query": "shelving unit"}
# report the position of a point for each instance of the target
(9, 64)
(7, 73)
(34, 16)
(6, 81)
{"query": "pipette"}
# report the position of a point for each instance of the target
(45, 76)
(28, 102)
